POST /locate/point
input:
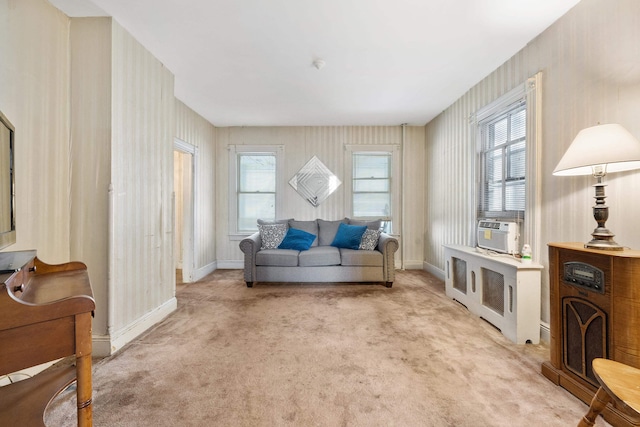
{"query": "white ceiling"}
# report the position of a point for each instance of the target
(388, 62)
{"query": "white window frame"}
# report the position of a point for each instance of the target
(234, 151)
(483, 128)
(395, 178)
(531, 91)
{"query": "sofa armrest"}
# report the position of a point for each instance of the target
(250, 247)
(388, 245)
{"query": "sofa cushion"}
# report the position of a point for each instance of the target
(369, 240)
(308, 226)
(319, 256)
(371, 225)
(327, 231)
(352, 257)
(349, 236)
(271, 235)
(297, 239)
(277, 257)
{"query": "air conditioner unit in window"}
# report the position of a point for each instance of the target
(499, 236)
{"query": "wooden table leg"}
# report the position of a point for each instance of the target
(598, 403)
(83, 370)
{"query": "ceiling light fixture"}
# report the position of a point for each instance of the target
(319, 64)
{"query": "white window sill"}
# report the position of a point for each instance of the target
(240, 236)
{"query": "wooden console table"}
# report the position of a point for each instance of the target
(45, 315)
(595, 313)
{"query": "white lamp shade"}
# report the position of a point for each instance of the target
(608, 145)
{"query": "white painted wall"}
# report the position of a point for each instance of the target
(591, 74)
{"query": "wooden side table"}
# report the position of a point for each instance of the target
(619, 383)
(45, 315)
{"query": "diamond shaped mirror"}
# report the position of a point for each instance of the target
(315, 182)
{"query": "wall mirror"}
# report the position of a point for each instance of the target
(315, 182)
(7, 184)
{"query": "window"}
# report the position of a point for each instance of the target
(256, 189)
(507, 171)
(372, 185)
(503, 163)
(255, 186)
(373, 193)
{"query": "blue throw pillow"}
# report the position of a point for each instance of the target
(349, 236)
(296, 239)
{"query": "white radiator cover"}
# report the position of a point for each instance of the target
(498, 288)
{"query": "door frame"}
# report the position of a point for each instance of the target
(190, 210)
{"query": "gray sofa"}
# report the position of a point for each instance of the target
(322, 262)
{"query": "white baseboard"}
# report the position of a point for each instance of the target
(204, 271)
(231, 265)
(413, 265)
(545, 332)
(433, 270)
(106, 345)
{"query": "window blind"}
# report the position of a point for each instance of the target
(372, 185)
(503, 164)
(256, 189)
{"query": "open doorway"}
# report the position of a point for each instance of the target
(184, 165)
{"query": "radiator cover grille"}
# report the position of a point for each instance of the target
(493, 290)
(459, 274)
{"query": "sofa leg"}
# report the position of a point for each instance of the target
(249, 284)
(388, 284)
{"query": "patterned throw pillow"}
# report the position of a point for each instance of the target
(369, 240)
(272, 235)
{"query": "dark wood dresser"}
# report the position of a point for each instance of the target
(45, 315)
(595, 313)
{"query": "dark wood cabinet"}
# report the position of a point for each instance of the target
(45, 315)
(595, 312)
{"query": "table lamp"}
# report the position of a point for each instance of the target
(596, 151)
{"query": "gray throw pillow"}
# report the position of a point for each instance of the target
(327, 231)
(369, 240)
(371, 225)
(272, 235)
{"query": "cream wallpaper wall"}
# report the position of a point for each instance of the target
(195, 130)
(95, 120)
(122, 127)
(590, 67)
(90, 154)
(328, 144)
(142, 278)
(34, 96)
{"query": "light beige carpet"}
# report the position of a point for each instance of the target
(323, 355)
